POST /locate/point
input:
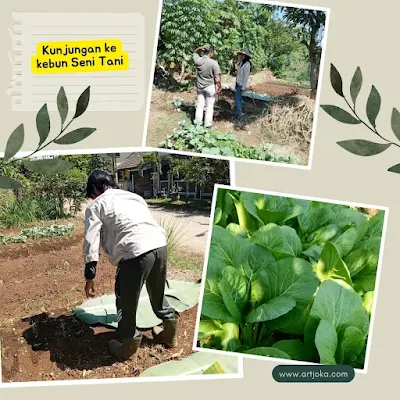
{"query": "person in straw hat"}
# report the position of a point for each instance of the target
(242, 78)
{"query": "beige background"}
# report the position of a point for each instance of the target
(360, 34)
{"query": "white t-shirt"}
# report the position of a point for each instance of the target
(120, 222)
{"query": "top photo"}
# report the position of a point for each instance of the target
(239, 80)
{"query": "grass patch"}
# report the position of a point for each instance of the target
(186, 260)
(182, 205)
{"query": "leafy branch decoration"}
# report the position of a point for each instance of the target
(43, 126)
(361, 147)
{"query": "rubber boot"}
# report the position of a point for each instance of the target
(125, 349)
(168, 334)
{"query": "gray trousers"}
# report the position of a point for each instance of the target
(149, 268)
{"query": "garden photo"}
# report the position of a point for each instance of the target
(237, 79)
(291, 278)
(101, 266)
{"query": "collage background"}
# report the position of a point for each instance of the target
(360, 34)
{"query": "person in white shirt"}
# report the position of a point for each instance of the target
(121, 224)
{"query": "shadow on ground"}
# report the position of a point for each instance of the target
(72, 344)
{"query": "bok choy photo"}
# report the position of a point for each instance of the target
(290, 278)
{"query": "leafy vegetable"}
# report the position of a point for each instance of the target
(38, 232)
(290, 278)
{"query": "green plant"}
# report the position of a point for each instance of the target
(37, 233)
(174, 229)
(290, 278)
(201, 140)
(362, 147)
(28, 210)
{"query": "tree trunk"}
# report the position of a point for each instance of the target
(183, 68)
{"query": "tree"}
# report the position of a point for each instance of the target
(312, 23)
(203, 172)
(103, 162)
(185, 25)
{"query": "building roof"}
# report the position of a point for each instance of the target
(133, 161)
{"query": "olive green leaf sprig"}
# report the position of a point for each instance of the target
(45, 166)
(362, 147)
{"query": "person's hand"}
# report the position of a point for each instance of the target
(89, 288)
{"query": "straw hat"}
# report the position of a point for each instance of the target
(245, 52)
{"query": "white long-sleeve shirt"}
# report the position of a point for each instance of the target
(120, 222)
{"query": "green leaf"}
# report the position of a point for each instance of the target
(314, 251)
(363, 148)
(234, 288)
(228, 337)
(75, 136)
(336, 81)
(356, 84)
(293, 347)
(346, 241)
(337, 302)
(8, 183)
(395, 169)
(251, 257)
(293, 278)
(43, 124)
(322, 235)
(223, 249)
(373, 106)
(208, 328)
(359, 259)
(48, 167)
(340, 115)
(15, 142)
(352, 344)
(214, 369)
(368, 301)
(331, 266)
(282, 242)
(314, 219)
(62, 105)
(273, 309)
(268, 352)
(195, 364)
(395, 122)
(246, 221)
(235, 230)
(82, 103)
(217, 215)
(326, 340)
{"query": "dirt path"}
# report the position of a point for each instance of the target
(193, 227)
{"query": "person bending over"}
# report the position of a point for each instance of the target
(121, 224)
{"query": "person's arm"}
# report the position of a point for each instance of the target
(217, 74)
(218, 83)
(196, 55)
(91, 247)
(246, 75)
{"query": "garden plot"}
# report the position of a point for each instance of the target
(41, 337)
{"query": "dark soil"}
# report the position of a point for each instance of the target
(41, 339)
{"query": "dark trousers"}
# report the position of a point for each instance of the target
(151, 268)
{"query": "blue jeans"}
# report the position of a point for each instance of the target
(238, 102)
